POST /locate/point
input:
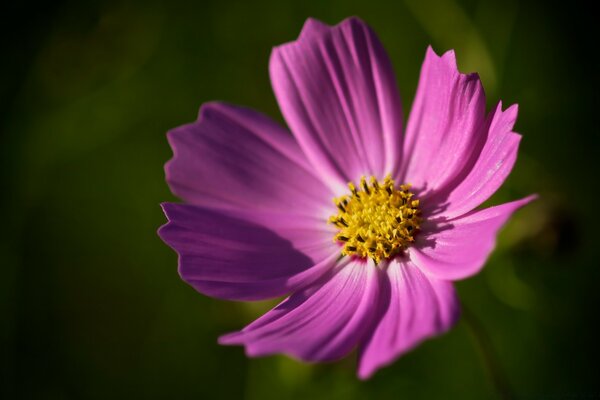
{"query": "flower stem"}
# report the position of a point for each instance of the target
(488, 355)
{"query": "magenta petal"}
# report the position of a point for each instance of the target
(223, 256)
(338, 94)
(237, 159)
(413, 308)
(313, 27)
(444, 130)
(490, 170)
(458, 248)
(323, 322)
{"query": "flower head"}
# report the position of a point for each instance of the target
(363, 224)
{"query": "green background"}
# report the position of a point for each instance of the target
(91, 304)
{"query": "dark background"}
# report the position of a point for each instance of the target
(91, 304)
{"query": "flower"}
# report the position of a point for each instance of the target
(326, 215)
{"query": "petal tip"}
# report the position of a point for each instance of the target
(312, 28)
(530, 198)
(167, 207)
(163, 231)
(511, 111)
(430, 52)
(353, 20)
(448, 60)
(365, 372)
(229, 339)
(209, 107)
(450, 57)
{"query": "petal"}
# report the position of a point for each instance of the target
(313, 27)
(458, 248)
(489, 172)
(337, 92)
(224, 256)
(323, 322)
(413, 308)
(445, 127)
(235, 158)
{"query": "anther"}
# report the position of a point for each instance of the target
(375, 223)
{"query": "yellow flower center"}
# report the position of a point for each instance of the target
(376, 220)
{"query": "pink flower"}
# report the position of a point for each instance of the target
(368, 265)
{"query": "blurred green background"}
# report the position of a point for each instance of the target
(91, 304)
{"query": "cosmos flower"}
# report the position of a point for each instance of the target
(362, 223)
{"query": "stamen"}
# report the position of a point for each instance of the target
(376, 220)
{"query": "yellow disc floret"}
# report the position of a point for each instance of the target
(376, 220)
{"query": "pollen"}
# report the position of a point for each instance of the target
(377, 219)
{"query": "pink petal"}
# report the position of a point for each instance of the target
(234, 158)
(445, 132)
(323, 322)
(413, 308)
(458, 248)
(337, 92)
(225, 256)
(489, 172)
(313, 28)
